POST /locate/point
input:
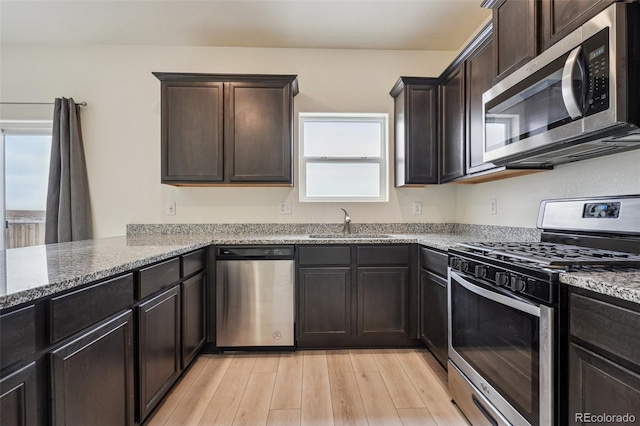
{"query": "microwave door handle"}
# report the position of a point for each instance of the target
(567, 84)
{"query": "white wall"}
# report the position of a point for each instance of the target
(519, 198)
(121, 128)
(121, 125)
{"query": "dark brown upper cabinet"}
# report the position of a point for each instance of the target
(479, 80)
(560, 17)
(515, 34)
(221, 129)
(452, 109)
(416, 131)
(525, 28)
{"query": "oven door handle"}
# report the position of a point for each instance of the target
(496, 297)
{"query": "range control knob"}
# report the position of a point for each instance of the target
(463, 266)
(480, 271)
(501, 278)
(454, 262)
(516, 284)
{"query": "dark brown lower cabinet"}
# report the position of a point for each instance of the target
(18, 398)
(434, 326)
(92, 376)
(324, 302)
(357, 296)
(383, 300)
(599, 386)
(158, 348)
(193, 317)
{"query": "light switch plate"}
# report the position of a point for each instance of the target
(493, 206)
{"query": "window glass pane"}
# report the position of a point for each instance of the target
(354, 180)
(26, 180)
(342, 139)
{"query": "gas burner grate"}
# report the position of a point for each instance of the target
(551, 255)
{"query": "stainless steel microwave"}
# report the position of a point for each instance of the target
(578, 99)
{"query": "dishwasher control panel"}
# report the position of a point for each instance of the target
(254, 252)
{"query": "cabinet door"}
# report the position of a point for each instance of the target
(599, 386)
(192, 132)
(18, 397)
(383, 301)
(560, 17)
(416, 135)
(92, 376)
(434, 328)
(193, 317)
(258, 132)
(453, 118)
(158, 347)
(515, 35)
(479, 80)
(325, 302)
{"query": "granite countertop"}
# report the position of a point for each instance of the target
(30, 273)
(621, 285)
(33, 272)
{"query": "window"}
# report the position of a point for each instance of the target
(343, 157)
(26, 147)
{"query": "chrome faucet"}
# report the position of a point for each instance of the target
(346, 229)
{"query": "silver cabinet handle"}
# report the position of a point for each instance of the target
(567, 84)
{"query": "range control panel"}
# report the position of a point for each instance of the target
(601, 210)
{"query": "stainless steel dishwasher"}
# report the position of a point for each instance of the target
(254, 297)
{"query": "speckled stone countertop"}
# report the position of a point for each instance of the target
(30, 273)
(33, 272)
(621, 285)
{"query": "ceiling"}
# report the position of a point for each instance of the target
(346, 24)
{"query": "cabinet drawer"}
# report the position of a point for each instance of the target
(193, 262)
(157, 277)
(612, 328)
(74, 311)
(334, 255)
(17, 335)
(383, 255)
(434, 261)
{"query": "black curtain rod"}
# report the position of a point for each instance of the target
(80, 104)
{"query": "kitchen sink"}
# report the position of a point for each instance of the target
(334, 236)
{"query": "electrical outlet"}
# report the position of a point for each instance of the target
(171, 208)
(493, 206)
(417, 207)
(284, 207)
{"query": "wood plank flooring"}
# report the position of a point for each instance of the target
(314, 388)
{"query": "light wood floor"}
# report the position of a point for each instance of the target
(354, 387)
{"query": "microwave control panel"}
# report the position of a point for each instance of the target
(596, 55)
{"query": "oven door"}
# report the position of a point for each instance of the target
(503, 345)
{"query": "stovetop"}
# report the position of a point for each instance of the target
(553, 255)
(532, 270)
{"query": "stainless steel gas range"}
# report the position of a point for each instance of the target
(507, 309)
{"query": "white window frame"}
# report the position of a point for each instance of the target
(381, 160)
(16, 127)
